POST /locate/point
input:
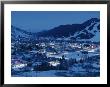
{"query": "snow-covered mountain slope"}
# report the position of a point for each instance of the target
(17, 32)
(90, 33)
(20, 34)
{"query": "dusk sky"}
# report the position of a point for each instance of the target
(35, 21)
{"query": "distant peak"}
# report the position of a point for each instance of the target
(92, 20)
(95, 19)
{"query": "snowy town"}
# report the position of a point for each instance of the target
(59, 57)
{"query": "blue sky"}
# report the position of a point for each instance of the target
(35, 21)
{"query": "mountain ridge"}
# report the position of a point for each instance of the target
(86, 30)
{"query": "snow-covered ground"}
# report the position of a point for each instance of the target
(50, 73)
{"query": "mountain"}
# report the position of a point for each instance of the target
(62, 30)
(90, 29)
(17, 33)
